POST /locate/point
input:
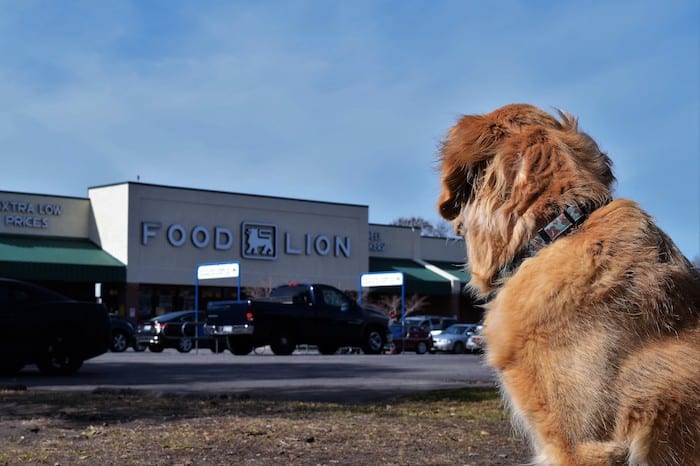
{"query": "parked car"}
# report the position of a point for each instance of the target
(123, 334)
(410, 338)
(454, 338)
(176, 330)
(432, 323)
(42, 327)
(476, 341)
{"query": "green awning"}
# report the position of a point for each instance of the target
(43, 258)
(417, 279)
(458, 270)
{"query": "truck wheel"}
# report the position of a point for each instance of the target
(156, 347)
(422, 347)
(185, 345)
(374, 341)
(283, 345)
(57, 357)
(239, 347)
(327, 349)
(119, 341)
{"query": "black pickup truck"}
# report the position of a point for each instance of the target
(312, 314)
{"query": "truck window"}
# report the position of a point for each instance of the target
(335, 298)
(302, 298)
(291, 294)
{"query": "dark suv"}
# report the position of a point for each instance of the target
(42, 327)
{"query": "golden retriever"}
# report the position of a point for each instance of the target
(593, 314)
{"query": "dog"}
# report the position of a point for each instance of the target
(592, 314)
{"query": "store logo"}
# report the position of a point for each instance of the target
(258, 241)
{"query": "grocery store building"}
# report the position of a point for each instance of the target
(136, 246)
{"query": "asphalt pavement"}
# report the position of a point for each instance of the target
(305, 375)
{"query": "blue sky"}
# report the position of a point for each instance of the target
(342, 101)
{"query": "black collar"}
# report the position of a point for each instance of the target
(564, 223)
(571, 217)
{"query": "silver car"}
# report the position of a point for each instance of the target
(476, 341)
(454, 338)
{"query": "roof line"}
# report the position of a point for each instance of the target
(455, 283)
(266, 196)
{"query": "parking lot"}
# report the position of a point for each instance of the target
(305, 375)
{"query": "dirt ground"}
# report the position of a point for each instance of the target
(453, 427)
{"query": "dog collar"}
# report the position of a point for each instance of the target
(570, 218)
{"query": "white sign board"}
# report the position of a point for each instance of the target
(222, 270)
(381, 279)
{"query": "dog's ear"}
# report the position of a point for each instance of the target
(463, 157)
(472, 143)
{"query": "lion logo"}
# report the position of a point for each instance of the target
(259, 241)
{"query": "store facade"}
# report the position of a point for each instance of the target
(136, 246)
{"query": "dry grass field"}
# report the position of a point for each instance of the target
(453, 427)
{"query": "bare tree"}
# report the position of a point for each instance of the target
(415, 303)
(441, 229)
(261, 291)
(414, 222)
(444, 229)
(390, 303)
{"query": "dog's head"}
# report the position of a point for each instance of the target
(505, 174)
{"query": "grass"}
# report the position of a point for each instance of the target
(461, 427)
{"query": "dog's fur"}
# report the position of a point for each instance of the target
(596, 338)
